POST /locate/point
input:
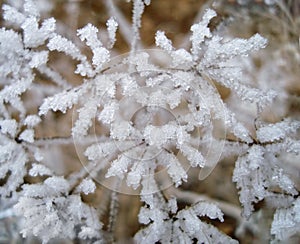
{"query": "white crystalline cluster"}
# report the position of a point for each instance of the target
(87, 186)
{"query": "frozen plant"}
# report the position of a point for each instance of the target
(141, 121)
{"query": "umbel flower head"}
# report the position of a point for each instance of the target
(157, 116)
(162, 116)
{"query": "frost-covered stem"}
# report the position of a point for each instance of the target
(254, 142)
(113, 209)
(192, 197)
(53, 141)
(66, 140)
(125, 27)
(186, 40)
(138, 9)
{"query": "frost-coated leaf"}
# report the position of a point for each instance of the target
(89, 34)
(112, 26)
(32, 120)
(10, 92)
(200, 31)
(11, 14)
(39, 169)
(87, 186)
(27, 135)
(57, 217)
(108, 113)
(284, 182)
(8, 126)
(249, 178)
(35, 36)
(61, 102)
(181, 58)
(154, 136)
(184, 227)
(136, 174)
(84, 122)
(100, 54)
(119, 166)
(237, 128)
(11, 42)
(177, 172)
(89, 233)
(129, 85)
(121, 130)
(61, 44)
(222, 51)
(30, 7)
(256, 157)
(162, 41)
(277, 131)
(57, 183)
(13, 161)
(100, 150)
(174, 168)
(286, 222)
(173, 99)
(256, 173)
(293, 146)
(208, 209)
(193, 155)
